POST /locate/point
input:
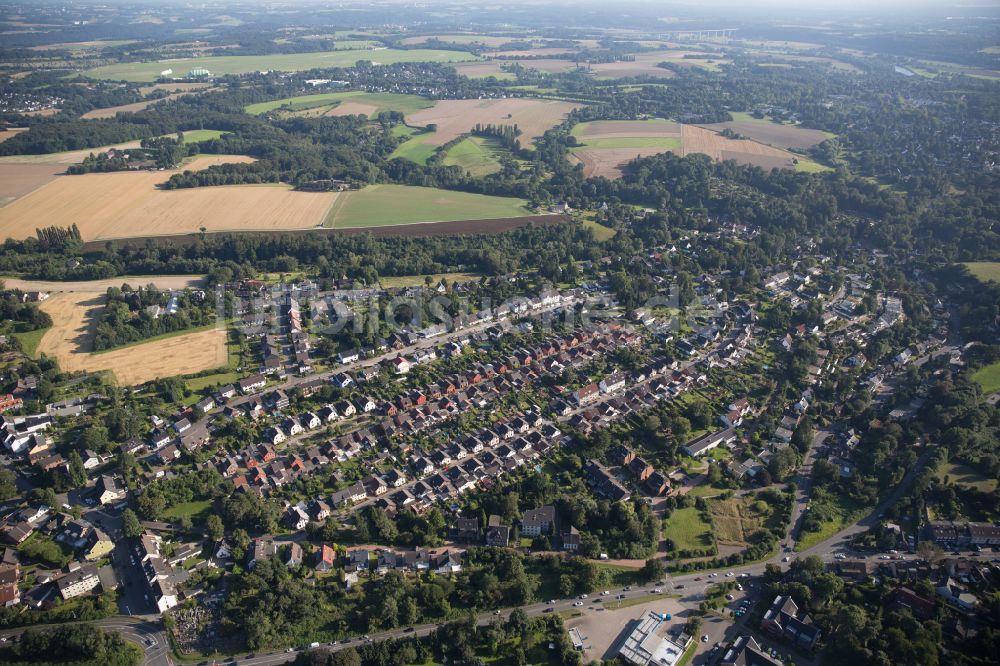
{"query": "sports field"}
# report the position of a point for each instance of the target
(355, 101)
(282, 62)
(477, 155)
(389, 205)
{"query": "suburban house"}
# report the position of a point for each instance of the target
(782, 621)
(109, 490)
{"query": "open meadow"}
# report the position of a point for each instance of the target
(111, 111)
(282, 62)
(477, 155)
(388, 205)
(70, 341)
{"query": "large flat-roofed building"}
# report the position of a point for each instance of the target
(952, 534)
(647, 644)
(705, 443)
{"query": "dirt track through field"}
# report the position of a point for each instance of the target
(70, 341)
(455, 117)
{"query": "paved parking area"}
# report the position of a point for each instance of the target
(603, 630)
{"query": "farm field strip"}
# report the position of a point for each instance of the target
(378, 101)
(70, 340)
(283, 62)
(128, 204)
(389, 205)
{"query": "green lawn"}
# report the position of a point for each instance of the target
(477, 155)
(984, 271)
(387, 205)
(196, 384)
(415, 149)
(283, 62)
(601, 232)
(963, 475)
(193, 136)
(29, 341)
(384, 101)
(687, 530)
(988, 377)
(808, 166)
(189, 509)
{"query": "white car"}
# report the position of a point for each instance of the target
(729, 574)
(840, 556)
(605, 593)
(583, 596)
(577, 603)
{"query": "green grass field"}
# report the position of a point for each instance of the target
(477, 155)
(420, 280)
(387, 205)
(196, 384)
(194, 136)
(384, 102)
(189, 509)
(687, 530)
(984, 271)
(282, 62)
(601, 232)
(988, 377)
(29, 341)
(415, 149)
(963, 475)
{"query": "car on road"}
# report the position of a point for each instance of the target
(408, 630)
(583, 596)
(679, 587)
(655, 590)
(704, 638)
(548, 610)
(605, 593)
(697, 579)
(840, 556)
(577, 603)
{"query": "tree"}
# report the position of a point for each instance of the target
(653, 570)
(75, 470)
(131, 527)
(213, 525)
(8, 484)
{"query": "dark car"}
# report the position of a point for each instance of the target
(548, 610)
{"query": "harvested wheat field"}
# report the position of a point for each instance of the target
(18, 180)
(609, 162)
(11, 132)
(647, 64)
(173, 87)
(773, 134)
(111, 111)
(101, 286)
(74, 316)
(698, 140)
(606, 129)
(353, 109)
(125, 205)
(454, 117)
